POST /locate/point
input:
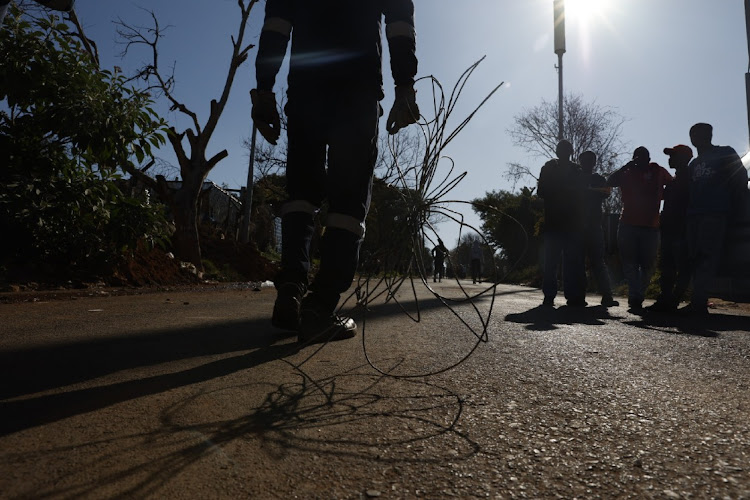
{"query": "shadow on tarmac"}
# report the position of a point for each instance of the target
(544, 318)
(702, 326)
(29, 371)
(350, 415)
(24, 372)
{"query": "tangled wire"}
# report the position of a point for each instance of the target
(402, 263)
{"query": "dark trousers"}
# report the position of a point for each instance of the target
(638, 249)
(476, 266)
(674, 266)
(569, 246)
(332, 148)
(594, 247)
(705, 235)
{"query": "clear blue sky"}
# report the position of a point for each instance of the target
(662, 64)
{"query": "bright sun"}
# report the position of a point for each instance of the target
(583, 11)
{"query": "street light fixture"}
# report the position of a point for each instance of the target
(559, 21)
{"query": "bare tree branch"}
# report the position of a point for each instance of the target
(149, 36)
(588, 126)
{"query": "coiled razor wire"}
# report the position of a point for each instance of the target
(424, 194)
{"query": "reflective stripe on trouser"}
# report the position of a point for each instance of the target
(332, 151)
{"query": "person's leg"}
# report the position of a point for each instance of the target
(682, 258)
(626, 242)
(595, 252)
(305, 175)
(667, 268)
(574, 269)
(553, 245)
(352, 151)
(708, 234)
(648, 248)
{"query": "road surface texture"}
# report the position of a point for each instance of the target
(192, 394)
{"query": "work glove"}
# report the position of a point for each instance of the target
(266, 115)
(404, 111)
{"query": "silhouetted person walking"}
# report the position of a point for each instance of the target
(335, 84)
(718, 187)
(674, 268)
(642, 185)
(593, 235)
(438, 261)
(476, 262)
(561, 185)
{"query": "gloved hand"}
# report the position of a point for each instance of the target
(266, 115)
(404, 111)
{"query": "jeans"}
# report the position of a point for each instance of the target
(705, 243)
(569, 246)
(674, 265)
(638, 250)
(594, 247)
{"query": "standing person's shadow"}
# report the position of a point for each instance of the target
(43, 369)
(543, 318)
(703, 326)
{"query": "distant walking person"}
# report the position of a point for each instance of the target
(438, 261)
(561, 185)
(674, 267)
(641, 183)
(476, 262)
(593, 236)
(718, 187)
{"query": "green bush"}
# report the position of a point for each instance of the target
(66, 128)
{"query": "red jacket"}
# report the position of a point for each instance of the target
(642, 191)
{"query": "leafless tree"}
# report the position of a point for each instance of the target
(587, 125)
(190, 145)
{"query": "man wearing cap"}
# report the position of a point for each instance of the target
(673, 259)
(641, 183)
(718, 186)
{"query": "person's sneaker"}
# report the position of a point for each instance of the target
(316, 326)
(662, 306)
(287, 306)
(549, 303)
(609, 302)
(635, 305)
(693, 310)
(577, 303)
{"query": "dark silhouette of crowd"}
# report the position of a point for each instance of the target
(681, 220)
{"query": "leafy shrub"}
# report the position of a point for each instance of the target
(65, 129)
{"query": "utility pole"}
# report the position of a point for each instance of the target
(559, 19)
(247, 203)
(747, 75)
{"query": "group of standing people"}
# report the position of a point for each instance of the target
(687, 236)
(573, 196)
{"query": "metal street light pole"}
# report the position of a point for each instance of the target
(559, 19)
(247, 203)
(747, 75)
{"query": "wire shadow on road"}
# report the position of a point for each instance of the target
(361, 415)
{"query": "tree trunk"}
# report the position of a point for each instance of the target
(185, 211)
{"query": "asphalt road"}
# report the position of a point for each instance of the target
(192, 394)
